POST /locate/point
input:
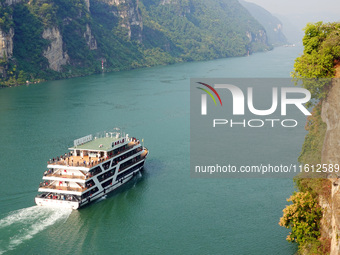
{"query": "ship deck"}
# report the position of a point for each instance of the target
(87, 161)
(54, 187)
(67, 176)
(99, 144)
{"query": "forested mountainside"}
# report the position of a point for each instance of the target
(52, 39)
(272, 24)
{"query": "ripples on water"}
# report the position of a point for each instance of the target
(24, 224)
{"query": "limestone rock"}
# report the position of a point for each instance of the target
(131, 19)
(55, 55)
(90, 40)
(6, 43)
(331, 155)
(331, 116)
(10, 2)
(87, 2)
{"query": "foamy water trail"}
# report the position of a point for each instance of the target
(24, 224)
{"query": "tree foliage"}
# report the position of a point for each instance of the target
(302, 217)
(321, 50)
(199, 30)
(312, 147)
(6, 21)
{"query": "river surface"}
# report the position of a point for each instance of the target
(163, 210)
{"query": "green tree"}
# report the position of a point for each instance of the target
(21, 77)
(321, 50)
(302, 217)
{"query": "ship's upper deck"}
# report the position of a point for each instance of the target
(101, 144)
(90, 150)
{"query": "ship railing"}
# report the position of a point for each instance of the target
(60, 174)
(44, 184)
(63, 197)
(65, 188)
(70, 160)
(78, 161)
(61, 158)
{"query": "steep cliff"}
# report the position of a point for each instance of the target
(6, 29)
(272, 24)
(197, 30)
(90, 39)
(10, 2)
(330, 155)
(54, 53)
(131, 19)
(6, 43)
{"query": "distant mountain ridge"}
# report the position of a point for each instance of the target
(272, 24)
(52, 39)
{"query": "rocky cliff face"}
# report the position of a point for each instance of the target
(55, 55)
(272, 24)
(331, 155)
(87, 2)
(6, 43)
(10, 2)
(6, 38)
(260, 36)
(131, 19)
(331, 116)
(90, 40)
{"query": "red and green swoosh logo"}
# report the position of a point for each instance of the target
(209, 93)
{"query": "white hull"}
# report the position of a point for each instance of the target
(56, 203)
(76, 205)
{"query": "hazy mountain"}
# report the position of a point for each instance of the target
(272, 24)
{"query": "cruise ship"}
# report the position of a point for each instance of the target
(93, 167)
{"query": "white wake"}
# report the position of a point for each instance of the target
(23, 224)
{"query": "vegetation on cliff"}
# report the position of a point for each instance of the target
(321, 53)
(271, 23)
(302, 217)
(321, 50)
(123, 34)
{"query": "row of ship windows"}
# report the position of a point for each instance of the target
(116, 151)
(101, 178)
(110, 173)
(126, 155)
(106, 165)
(106, 175)
(89, 193)
(109, 182)
(123, 174)
(129, 162)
